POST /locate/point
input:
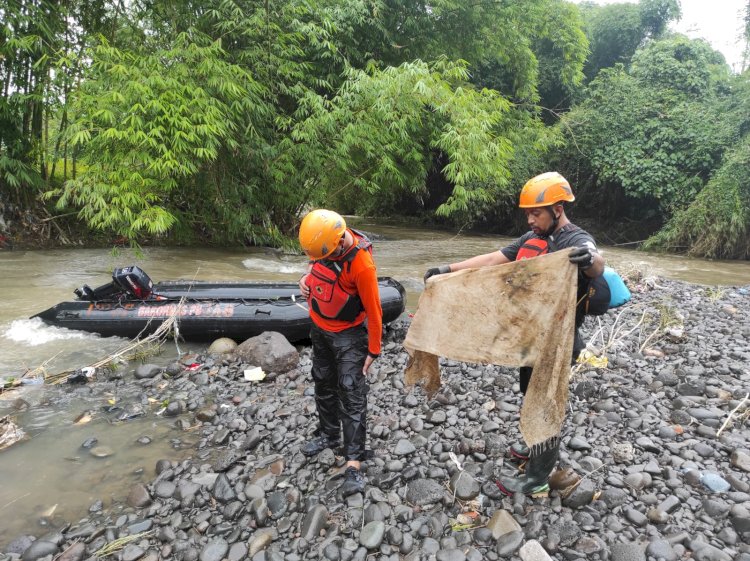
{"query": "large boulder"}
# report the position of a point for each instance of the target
(269, 350)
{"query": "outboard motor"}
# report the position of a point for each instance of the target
(133, 281)
(105, 292)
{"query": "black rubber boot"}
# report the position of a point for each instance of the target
(541, 462)
(519, 453)
(318, 444)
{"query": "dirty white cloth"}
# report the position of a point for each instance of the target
(10, 433)
(516, 314)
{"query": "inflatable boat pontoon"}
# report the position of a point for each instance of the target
(131, 305)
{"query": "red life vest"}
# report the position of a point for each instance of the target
(327, 297)
(533, 247)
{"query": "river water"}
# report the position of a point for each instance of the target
(50, 478)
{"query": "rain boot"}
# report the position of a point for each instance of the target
(541, 462)
(519, 453)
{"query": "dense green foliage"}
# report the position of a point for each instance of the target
(647, 140)
(222, 121)
(616, 31)
(143, 126)
(717, 222)
(657, 130)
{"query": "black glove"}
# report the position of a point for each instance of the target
(582, 257)
(436, 271)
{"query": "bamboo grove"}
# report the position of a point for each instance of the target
(220, 122)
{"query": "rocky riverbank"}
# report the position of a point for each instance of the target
(655, 479)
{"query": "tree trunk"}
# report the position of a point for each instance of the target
(56, 155)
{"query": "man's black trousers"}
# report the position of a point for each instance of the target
(340, 387)
(525, 371)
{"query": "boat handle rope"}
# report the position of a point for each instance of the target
(280, 301)
(297, 303)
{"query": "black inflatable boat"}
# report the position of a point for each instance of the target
(131, 305)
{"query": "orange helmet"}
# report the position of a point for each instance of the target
(546, 189)
(320, 232)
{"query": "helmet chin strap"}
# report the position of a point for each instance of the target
(555, 221)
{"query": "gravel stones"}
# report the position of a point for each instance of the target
(436, 417)
(421, 492)
(165, 489)
(101, 451)
(613, 497)
(509, 543)
(647, 444)
(670, 504)
(226, 460)
(578, 443)
(404, 448)
(132, 552)
(651, 486)
(635, 517)
(450, 555)
(214, 550)
(622, 452)
(237, 552)
(627, 552)
(501, 523)
(464, 486)
(638, 481)
(75, 552)
(661, 549)
(19, 544)
(532, 550)
(581, 496)
(145, 371)
(740, 459)
(715, 482)
(715, 508)
(139, 497)
(315, 521)
(260, 541)
(739, 516)
(711, 553)
(39, 549)
(222, 490)
(372, 534)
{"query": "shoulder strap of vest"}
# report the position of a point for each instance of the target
(363, 243)
(338, 265)
(569, 227)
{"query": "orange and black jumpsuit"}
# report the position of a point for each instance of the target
(343, 294)
(531, 245)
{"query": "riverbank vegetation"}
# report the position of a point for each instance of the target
(220, 122)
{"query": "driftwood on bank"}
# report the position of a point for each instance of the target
(137, 348)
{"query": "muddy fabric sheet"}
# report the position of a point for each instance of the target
(516, 314)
